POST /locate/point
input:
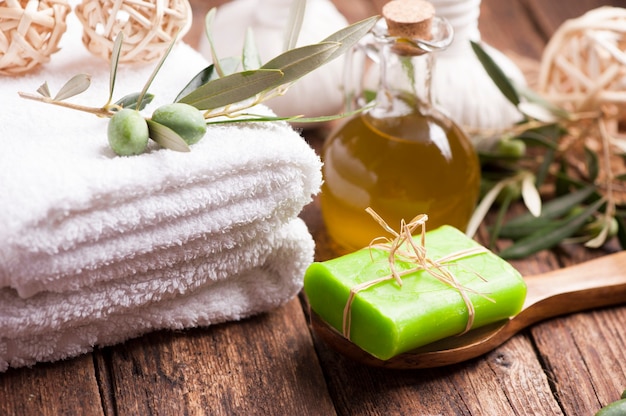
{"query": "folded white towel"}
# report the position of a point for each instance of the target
(51, 326)
(73, 212)
(96, 249)
(228, 200)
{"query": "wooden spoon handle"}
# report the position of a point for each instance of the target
(595, 283)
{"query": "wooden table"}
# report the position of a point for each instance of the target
(272, 365)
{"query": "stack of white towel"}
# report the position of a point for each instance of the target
(96, 249)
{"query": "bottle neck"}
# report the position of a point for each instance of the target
(404, 82)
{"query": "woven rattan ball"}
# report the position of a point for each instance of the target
(148, 26)
(30, 31)
(583, 67)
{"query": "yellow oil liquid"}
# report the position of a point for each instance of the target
(400, 166)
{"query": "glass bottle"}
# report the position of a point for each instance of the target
(401, 156)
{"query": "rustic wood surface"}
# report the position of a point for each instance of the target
(273, 365)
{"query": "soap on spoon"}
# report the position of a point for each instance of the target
(391, 317)
(592, 284)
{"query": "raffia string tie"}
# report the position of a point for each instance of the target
(403, 247)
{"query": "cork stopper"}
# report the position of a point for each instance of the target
(410, 19)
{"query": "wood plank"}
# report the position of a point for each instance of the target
(506, 26)
(584, 354)
(356, 10)
(264, 364)
(503, 382)
(525, 386)
(61, 388)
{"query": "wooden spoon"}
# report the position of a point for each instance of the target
(593, 284)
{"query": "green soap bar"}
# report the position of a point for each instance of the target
(388, 319)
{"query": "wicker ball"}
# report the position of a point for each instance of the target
(148, 26)
(29, 33)
(583, 67)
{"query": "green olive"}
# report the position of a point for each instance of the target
(128, 132)
(184, 119)
(511, 148)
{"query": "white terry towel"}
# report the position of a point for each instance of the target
(257, 276)
(74, 213)
(95, 248)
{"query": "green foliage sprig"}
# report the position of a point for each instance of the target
(567, 198)
(221, 92)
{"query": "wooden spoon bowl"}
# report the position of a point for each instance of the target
(593, 284)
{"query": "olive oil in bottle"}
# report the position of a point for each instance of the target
(401, 157)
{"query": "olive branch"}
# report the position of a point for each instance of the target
(221, 92)
(570, 194)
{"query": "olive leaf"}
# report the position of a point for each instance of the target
(115, 59)
(531, 196)
(504, 207)
(232, 88)
(246, 117)
(544, 168)
(250, 58)
(537, 112)
(251, 118)
(300, 61)
(294, 24)
(545, 136)
(350, 35)
(167, 137)
(621, 231)
(208, 31)
(600, 239)
(76, 85)
(44, 90)
(593, 163)
(229, 65)
(132, 101)
(480, 212)
(244, 85)
(156, 69)
(532, 97)
(497, 75)
(550, 235)
(527, 223)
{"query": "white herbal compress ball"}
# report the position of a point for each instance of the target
(318, 93)
(460, 84)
